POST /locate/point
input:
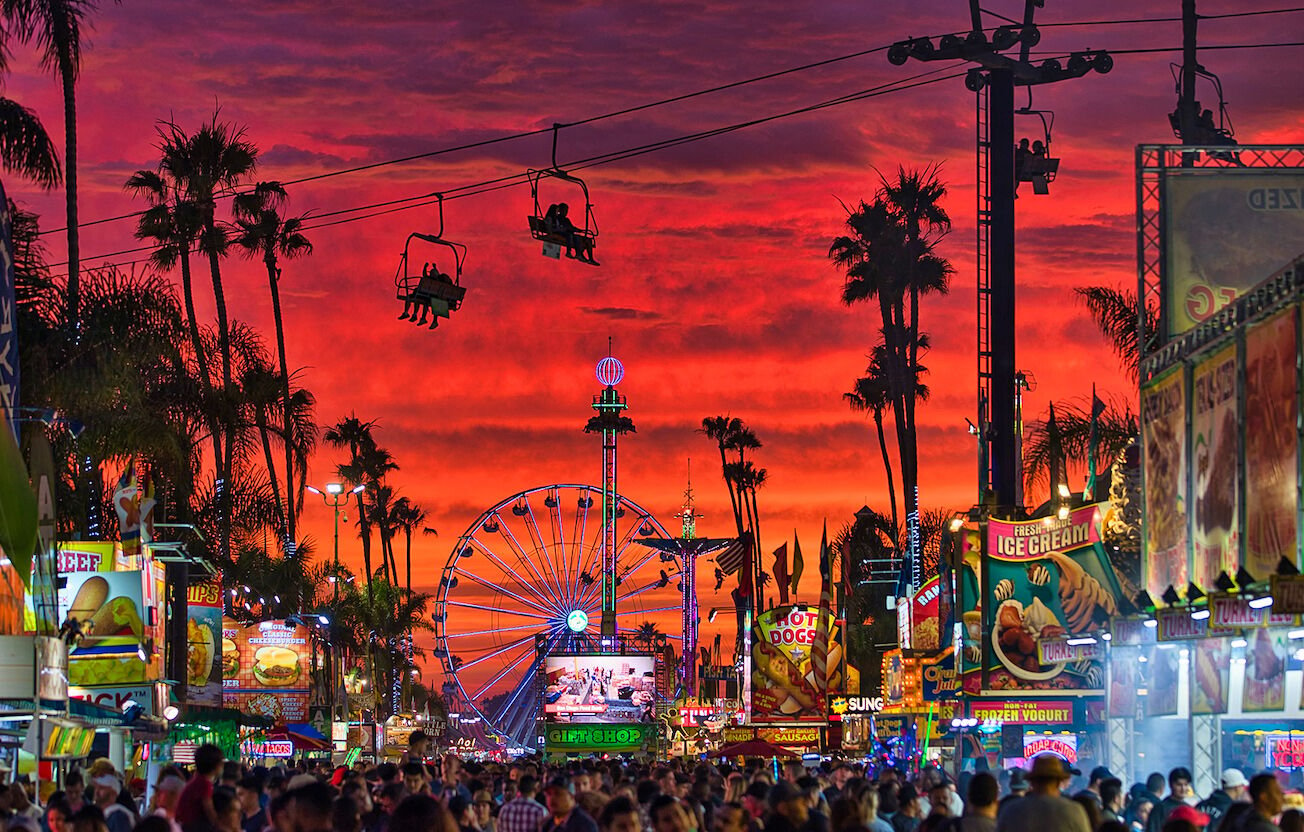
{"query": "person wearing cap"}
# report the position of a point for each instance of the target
(563, 814)
(1179, 790)
(1233, 791)
(789, 808)
(166, 791)
(484, 810)
(1185, 814)
(117, 818)
(1044, 807)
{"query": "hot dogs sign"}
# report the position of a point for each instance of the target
(783, 685)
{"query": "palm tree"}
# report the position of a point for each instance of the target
(55, 26)
(890, 256)
(721, 429)
(25, 147)
(1116, 429)
(355, 435)
(409, 516)
(1115, 312)
(871, 394)
(646, 634)
(263, 233)
(210, 164)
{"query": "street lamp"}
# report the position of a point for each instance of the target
(335, 496)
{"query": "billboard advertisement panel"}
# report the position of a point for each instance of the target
(1271, 452)
(1225, 232)
(1163, 438)
(1265, 671)
(265, 669)
(110, 608)
(1215, 456)
(1044, 579)
(599, 688)
(1210, 675)
(203, 637)
(783, 684)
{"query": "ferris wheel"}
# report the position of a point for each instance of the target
(527, 575)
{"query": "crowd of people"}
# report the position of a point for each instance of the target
(443, 794)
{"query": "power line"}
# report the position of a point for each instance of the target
(685, 97)
(512, 180)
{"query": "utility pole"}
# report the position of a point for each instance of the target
(998, 75)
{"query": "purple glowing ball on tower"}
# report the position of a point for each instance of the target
(610, 372)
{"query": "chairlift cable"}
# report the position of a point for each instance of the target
(690, 95)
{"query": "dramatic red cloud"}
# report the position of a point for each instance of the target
(715, 284)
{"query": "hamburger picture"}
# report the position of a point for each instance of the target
(276, 666)
(230, 659)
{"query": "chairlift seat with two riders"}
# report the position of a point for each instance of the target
(428, 290)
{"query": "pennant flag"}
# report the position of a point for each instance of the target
(1058, 461)
(819, 649)
(848, 578)
(1097, 410)
(781, 577)
(797, 564)
(731, 557)
(126, 502)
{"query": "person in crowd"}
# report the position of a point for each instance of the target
(415, 778)
(909, 815)
(668, 815)
(1098, 775)
(484, 811)
(982, 798)
(194, 811)
(1233, 784)
(418, 747)
(227, 808)
(58, 816)
(163, 803)
(1090, 806)
(1266, 800)
(621, 815)
(789, 808)
(563, 814)
(463, 813)
(152, 823)
(105, 790)
(1179, 789)
(728, 817)
(1111, 799)
(523, 813)
(346, 816)
(88, 819)
(74, 791)
(1043, 808)
(249, 791)
(311, 806)
(1292, 820)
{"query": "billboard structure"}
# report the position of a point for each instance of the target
(1221, 441)
(265, 669)
(783, 685)
(1212, 224)
(599, 688)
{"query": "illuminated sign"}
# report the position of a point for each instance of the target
(789, 736)
(1178, 625)
(1023, 712)
(1286, 753)
(1068, 649)
(1064, 746)
(267, 748)
(581, 738)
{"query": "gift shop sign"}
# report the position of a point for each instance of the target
(1035, 538)
(1023, 712)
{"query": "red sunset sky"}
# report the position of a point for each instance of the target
(715, 283)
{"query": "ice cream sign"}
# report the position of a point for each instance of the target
(1035, 539)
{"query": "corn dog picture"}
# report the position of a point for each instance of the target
(90, 597)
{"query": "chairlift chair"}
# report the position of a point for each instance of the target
(1032, 161)
(429, 290)
(574, 239)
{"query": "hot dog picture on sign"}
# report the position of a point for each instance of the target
(783, 684)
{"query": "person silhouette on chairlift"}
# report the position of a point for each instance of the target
(557, 221)
(415, 296)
